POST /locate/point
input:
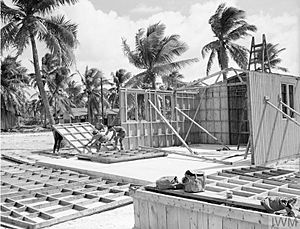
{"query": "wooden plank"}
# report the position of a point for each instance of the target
(136, 209)
(153, 215)
(203, 129)
(117, 156)
(203, 220)
(183, 219)
(196, 155)
(171, 127)
(144, 215)
(214, 222)
(161, 216)
(172, 217)
(228, 223)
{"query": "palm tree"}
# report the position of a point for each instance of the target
(228, 24)
(35, 109)
(173, 80)
(55, 78)
(273, 53)
(92, 91)
(155, 53)
(26, 23)
(57, 84)
(14, 80)
(119, 78)
(74, 90)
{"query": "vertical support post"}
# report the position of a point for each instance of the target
(171, 127)
(195, 115)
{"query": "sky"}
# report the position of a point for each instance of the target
(102, 24)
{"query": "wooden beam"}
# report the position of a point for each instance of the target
(171, 127)
(197, 156)
(195, 115)
(296, 112)
(202, 128)
(284, 114)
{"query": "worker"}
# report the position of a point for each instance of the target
(119, 133)
(57, 137)
(97, 140)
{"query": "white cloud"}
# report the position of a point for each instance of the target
(142, 8)
(100, 35)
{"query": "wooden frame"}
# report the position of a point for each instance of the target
(121, 156)
(35, 196)
(154, 132)
(77, 134)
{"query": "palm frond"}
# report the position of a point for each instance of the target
(210, 60)
(169, 67)
(214, 45)
(8, 34)
(239, 54)
(241, 31)
(8, 14)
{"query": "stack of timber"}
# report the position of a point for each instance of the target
(35, 196)
(123, 155)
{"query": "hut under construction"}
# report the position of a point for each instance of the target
(251, 107)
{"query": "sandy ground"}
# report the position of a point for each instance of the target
(31, 144)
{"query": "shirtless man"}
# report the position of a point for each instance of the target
(97, 140)
(119, 133)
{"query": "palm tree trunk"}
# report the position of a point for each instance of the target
(223, 61)
(39, 79)
(89, 110)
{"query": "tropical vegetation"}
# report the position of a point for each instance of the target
(228, 25)
(273, 53)
(26, 23)
(155, 53)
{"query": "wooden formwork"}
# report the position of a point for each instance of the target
(120, 156)
(157, 210)
(212, 209)
(146, 128)
(35, 196)
(76, 134)
(247, 190)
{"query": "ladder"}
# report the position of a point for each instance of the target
(259, 57)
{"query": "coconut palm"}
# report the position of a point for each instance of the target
(229, 25)
(120, 79)
(92, 91)
(74, 91)
(14, 81)
(55, 79)
(155, 53)
(26, 23)
(173, 80)
(273, 53)
(57, 84)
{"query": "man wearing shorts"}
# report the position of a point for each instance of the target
(119, 134)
